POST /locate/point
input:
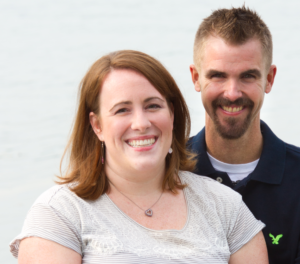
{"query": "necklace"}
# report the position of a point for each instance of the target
(149, 211)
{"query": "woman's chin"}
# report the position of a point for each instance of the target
(149, 165)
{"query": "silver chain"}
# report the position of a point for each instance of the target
(149, 211)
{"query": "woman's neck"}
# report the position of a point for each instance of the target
(136, 183)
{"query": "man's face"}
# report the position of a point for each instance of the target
(233, 80)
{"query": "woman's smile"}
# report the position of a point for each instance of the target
(142, 143)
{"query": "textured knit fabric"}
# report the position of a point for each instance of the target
(218, 224)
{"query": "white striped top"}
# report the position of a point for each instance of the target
(218, 224)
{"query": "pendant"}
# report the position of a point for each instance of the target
(149, 212)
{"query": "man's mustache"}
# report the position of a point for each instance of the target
(242, 101)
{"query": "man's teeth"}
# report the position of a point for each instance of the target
(141, 143)
(232, 109)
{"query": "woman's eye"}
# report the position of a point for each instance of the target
(154, 106)
(122, 110)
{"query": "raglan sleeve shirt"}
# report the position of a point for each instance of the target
(52, 220)
(218, 225)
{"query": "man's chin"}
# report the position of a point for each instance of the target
(231, 134)
(233, 130)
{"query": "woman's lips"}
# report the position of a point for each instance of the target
(139, 143)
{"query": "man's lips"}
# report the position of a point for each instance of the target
(232, 109)
(138, 143)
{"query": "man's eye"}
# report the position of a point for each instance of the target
(248, 76)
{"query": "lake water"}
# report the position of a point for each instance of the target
(47, 46)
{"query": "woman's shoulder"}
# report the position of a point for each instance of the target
(54, 193)
(61, 199)
(219, 202)
(55, 216)
(208, 186)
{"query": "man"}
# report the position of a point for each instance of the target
(233, 71)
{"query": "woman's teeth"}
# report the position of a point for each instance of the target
(141, 143)
(232, 109)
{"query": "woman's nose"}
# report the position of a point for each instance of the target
(140, 121)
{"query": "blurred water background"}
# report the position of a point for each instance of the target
(47, 46)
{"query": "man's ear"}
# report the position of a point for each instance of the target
(195, 77)
(270, 78)
(95, 123)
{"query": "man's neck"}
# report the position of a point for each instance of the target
(245, 149)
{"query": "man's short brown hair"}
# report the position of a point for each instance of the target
(236, 26)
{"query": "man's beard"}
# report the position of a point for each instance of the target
(234, 128)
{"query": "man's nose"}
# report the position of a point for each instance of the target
(232, 90)
(140, 121)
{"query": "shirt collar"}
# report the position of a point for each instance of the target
(270, 167)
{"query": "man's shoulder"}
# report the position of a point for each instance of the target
(292, 160)
(293, 149)
(196, 140)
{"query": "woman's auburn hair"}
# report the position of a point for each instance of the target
(85, 170)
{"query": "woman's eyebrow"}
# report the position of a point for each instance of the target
(152, 98)
(129, 102)
(121, 103)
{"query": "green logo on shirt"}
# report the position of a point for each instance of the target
(275, 240)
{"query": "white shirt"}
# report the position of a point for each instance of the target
(236, 172)
(218, 224)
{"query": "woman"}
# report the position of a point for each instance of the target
(127, 196)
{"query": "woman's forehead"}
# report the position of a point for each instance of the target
(124, 84)
(119, 77)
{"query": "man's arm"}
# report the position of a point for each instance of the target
(297, 259)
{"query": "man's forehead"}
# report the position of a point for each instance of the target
(216, 51)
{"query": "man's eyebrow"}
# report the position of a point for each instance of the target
(252, 71)
(121, 103)
(213, 72)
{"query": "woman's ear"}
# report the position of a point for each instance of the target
(95, 123)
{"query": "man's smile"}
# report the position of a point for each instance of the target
(232, 109)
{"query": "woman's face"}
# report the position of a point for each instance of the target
(135, 122)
